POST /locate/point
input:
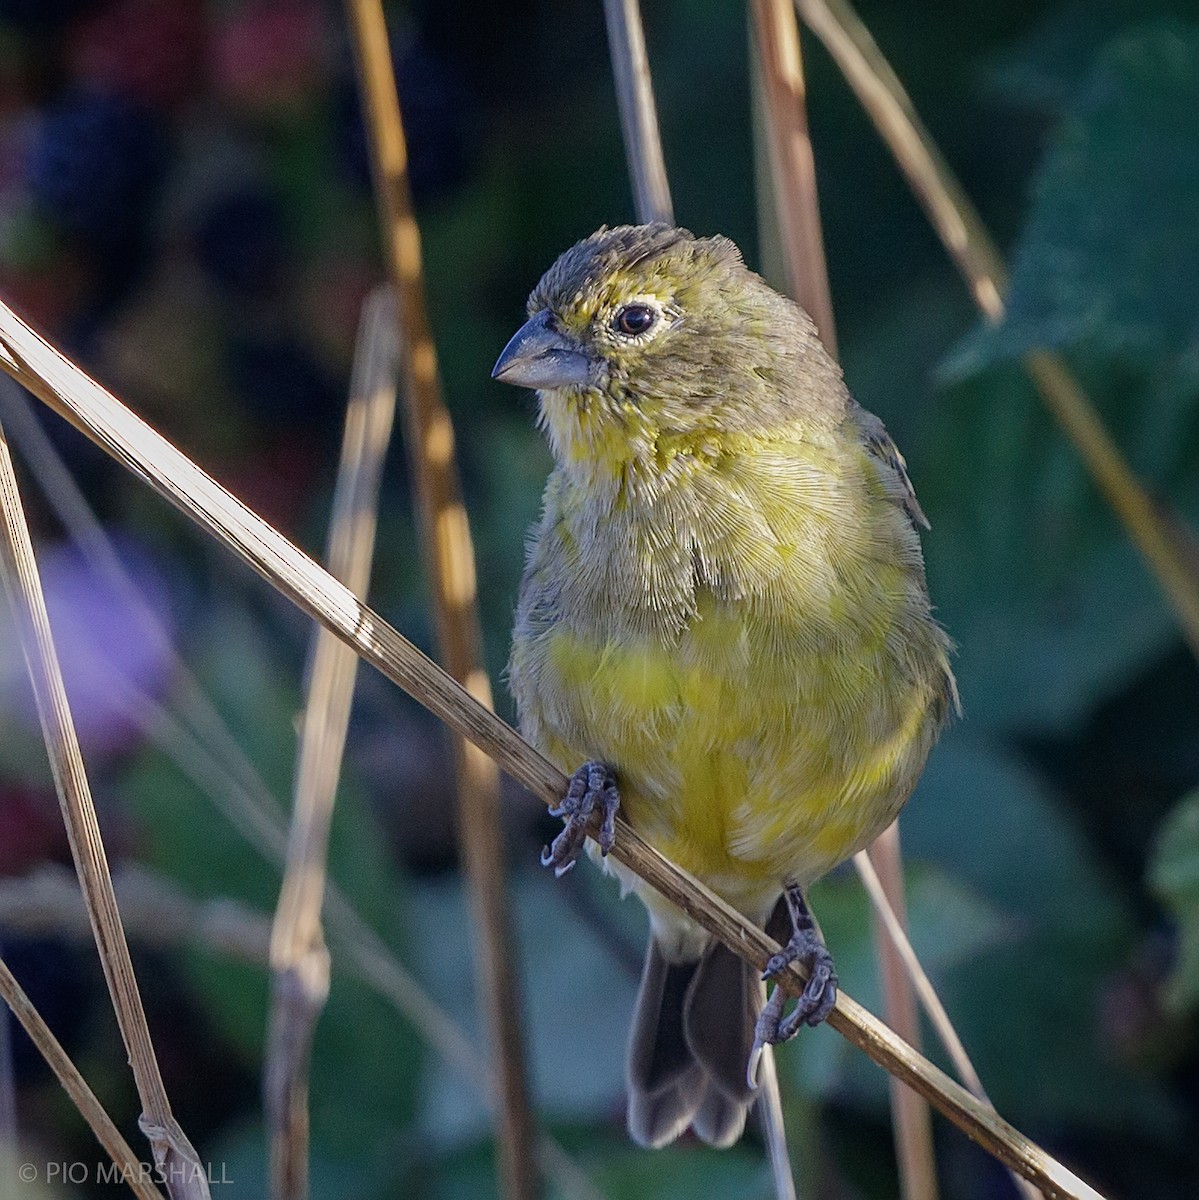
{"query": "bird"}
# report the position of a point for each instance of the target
(723, 630)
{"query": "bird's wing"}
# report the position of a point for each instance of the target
(895, 468)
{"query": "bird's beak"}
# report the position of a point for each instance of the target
(539, 356)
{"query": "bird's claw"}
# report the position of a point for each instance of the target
(815, 1002)
(592, 786)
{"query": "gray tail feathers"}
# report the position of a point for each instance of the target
(693, 1029)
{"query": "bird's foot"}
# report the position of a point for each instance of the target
(592, 787)
(819, 996)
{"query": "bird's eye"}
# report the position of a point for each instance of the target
(636, 319)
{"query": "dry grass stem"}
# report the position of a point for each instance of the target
(651, 191)
(910, 1115)
(450, 566)
(965, 237)
(173, 1153)
(101, 417)
(47, 903)
(888, 919)
(638, 113)
(299, 957)
(769, 1107)
(883, 97)
(780, 80)
(82, 1096)
(792, 165)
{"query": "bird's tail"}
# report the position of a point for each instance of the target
(693, 1029)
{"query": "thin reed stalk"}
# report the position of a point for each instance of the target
(911, 1118)
(779, 67)
(101, 417)
(961, 230)
(174, 1156)
(299, 957)
(450, 567)
(774, 1126)
(75, 1086)
(792, 164)
(886, 916)
(638, 113)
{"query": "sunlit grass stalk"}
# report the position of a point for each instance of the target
(173, 1153)
(9, 1129)
(450, 566)
(896, 931)
(972, 249)
(100, 416)
(82, 1096)
(299, 956)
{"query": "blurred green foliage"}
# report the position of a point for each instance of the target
(1053, 856)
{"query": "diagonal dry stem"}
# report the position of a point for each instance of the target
(174, 1156)
(10, 1134)
(638, 113)
(961, 230)
(207, 753)
(100, 416)
(75, 1086)
(203, 724)
(299, 958)
(896, 930)
(450, 566)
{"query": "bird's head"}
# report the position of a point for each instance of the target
(644, 334)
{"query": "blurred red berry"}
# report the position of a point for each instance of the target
(31, 829)
(267, 54)
(151, 51)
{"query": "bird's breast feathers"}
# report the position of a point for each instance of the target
(746, 638)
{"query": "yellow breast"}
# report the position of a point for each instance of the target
(781, 723)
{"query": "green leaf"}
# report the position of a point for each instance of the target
(1046, 68)
(1110, 255)
(1174, 877)
(1028, 1006)
(577, 1000)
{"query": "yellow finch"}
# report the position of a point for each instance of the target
(724, 616)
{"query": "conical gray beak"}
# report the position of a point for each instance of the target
(539, 356)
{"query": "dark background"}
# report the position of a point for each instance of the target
(185, 208)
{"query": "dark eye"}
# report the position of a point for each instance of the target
(635, 319)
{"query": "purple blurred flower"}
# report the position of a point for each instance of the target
(102, 645)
